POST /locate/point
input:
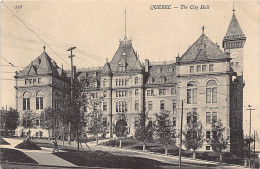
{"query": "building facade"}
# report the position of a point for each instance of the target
(208, 80)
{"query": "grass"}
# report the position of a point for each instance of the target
(105, 159)
(3, 142)
(27, 144)
(11, 155)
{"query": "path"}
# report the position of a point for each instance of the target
(43, 157)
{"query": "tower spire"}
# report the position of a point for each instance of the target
(125, 22)
(233, 6)
(44, 48)
(203, 28)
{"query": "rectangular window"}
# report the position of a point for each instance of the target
(26, 103)
(199, 68)
(150, 105)
(37, 103)
(164, 91)
(41, 102)
(37, 122)
(174, 106)
(237, 64)
(204, 68)
(105, 122)
(162, 105)
(148, 92)
(208, 117)
(173, 91)
(214, 117)
(136, 92)
(160, 91)
(188, 118)
(116, 82)
(152, 92)
(116, 93)
(105, 93)
(104, 106)
(207, 147)
(136, 121)
(207, 134)
(211, 67)
(191, 69)
(174, 121)
(208, 95)
(136, 105)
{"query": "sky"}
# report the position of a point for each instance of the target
(95, 28)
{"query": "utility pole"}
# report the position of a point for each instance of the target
(181, 135)
(254, 149)
(250, 109)
(71, 82)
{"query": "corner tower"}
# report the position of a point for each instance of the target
(233, 44)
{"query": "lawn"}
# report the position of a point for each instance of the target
(11, 155)
(3, 142)
(174, 150)
(105, 159)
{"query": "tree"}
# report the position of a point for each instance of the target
(144, 130)
(48, 120)
(94, 117)
(218, 142)
(12, 120)
(164, 129)
(193, 134)
(28, 120)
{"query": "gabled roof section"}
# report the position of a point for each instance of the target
(106, 69)
(234, 29)
(203, 50)
(43, 64)
(125, 51)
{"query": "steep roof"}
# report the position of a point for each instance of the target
(234, 29)
(203, 50)
(106, 69)
(43, 64)
(125, 52)
(156, 72)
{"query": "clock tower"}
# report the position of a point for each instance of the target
(233, 44)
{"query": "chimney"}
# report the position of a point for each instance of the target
(146, 67)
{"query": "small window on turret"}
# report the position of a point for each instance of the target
(237, 64)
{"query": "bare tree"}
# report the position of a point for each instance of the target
(28, 120)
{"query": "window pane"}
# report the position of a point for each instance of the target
(208, 114)
(214, 117)
(24, 103)
(198, 68)
(191, 69)
(194, 96)
(211, 67)
(214, 95)
(162, 105)
(41, 102)
(150, 105)
(208, 95)
(189, 96)
(28, 104)
(204, 68)
(208, 134)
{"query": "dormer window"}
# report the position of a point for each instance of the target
(150, 80)
(159, 70)
(162, 79)
(121, 65)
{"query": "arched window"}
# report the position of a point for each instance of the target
(39, 100)
(136, 80)
(26, 100)
(192, 92)
(211, 91)
(116, 106)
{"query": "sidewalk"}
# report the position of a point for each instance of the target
(43, 157)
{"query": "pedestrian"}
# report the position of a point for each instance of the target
(56, 147)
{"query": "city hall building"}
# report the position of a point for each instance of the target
(208, 79)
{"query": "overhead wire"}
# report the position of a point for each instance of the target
(34, 33)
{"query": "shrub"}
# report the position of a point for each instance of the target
(27, 144)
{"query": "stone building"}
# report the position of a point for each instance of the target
(207, 80)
